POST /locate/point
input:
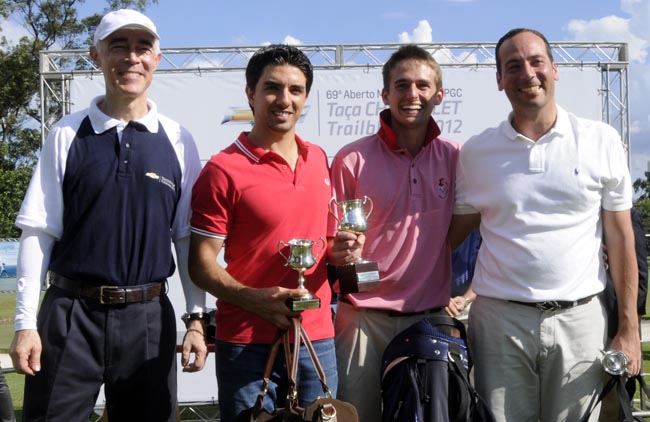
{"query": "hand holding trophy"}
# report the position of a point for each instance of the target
(352, 215)
(301, 258)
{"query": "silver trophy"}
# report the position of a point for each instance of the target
(352, 215)
(614, 362)
(301, 258)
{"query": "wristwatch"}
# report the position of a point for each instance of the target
(195, 316)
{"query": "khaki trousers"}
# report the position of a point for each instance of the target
(532, 365)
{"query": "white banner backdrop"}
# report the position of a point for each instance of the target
(343, 104)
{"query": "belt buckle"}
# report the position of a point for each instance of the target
(114, 294)
(549, 305)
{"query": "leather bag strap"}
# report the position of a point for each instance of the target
(268, 370)
(314, 359)
(300, 336)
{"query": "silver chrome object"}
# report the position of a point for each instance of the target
(614, 362)
(302, 258)
(352, 214)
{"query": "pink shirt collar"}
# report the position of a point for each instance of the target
(388, 135)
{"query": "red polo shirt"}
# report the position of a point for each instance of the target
(252, 199)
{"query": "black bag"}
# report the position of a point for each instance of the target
(323, 409)
(618, 384)
(425, 376)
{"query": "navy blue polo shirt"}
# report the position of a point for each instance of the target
(108, 210)
(120, 199)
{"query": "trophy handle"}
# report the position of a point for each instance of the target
(321, 240)
(281, 245)
(366, 199)
(331, 206)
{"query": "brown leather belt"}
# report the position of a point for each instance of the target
(393, 313)
(554, 305)
(109, 295)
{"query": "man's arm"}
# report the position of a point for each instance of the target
(619, 237)
(641, 259)
(194, 339)
(33, 261)
(269, 303)
(461, 226)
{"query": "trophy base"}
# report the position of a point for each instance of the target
(358, 277)
(302, 304)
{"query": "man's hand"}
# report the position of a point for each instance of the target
(194, 342)
(25, 351)
(630, 344)
(456, 306)
(271, 304)
(346, 247)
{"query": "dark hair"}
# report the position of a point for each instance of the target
(411, 52)
(277, 54)
(517, 31)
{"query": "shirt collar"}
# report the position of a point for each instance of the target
(257, 153)
(561, 127)
(388, 135)
(102, 122)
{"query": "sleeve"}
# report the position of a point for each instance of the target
(194, 295)
(212, 202)
(617, 192)
(189, 157)
(43, 207)
(461, 193)
(33, 260)
(191, 167)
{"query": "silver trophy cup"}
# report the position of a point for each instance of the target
(352, 215)
(301, 258)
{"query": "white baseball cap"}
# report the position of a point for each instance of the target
(123, 18)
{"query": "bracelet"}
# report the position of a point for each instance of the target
(196, 316)
(195, 330)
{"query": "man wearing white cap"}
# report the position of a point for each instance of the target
(110, 193)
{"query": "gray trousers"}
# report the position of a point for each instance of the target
(6, 405)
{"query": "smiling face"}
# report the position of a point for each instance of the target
(128, 59)
(278, 99)
(412, 93)
(527, 73)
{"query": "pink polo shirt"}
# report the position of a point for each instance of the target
(253, 200)
(413, 200)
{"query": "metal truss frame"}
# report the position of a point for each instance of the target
(58, 68)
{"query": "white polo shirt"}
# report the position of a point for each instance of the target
(540, 205)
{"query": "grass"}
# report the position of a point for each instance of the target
(7, 311)
(7, 306)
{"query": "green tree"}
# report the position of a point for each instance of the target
(51, 24)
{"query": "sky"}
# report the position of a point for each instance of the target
(216, 23)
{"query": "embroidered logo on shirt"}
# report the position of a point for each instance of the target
(171, 185)
(443, 187)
